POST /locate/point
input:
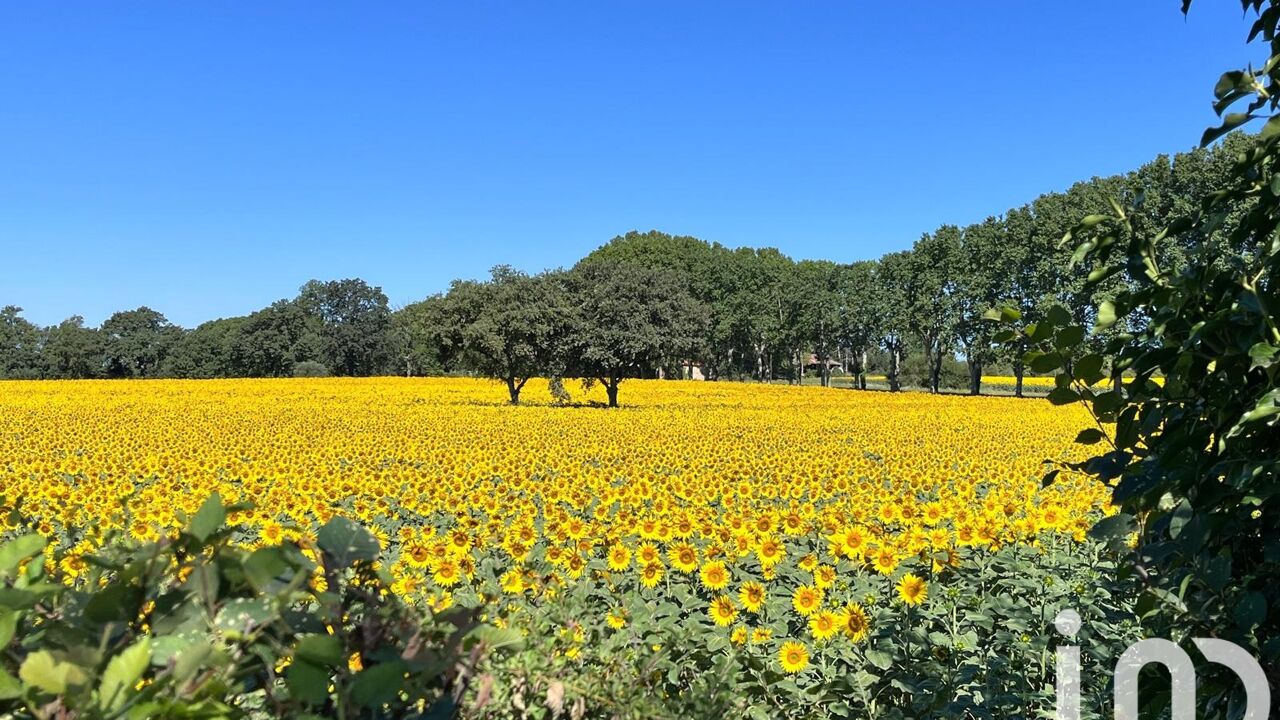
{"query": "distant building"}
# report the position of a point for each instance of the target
(811, 363)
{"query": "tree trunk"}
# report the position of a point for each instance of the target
(1018, 371)
(513, 389)
(895, 364)
(935, 372)
(975, 377)
(862, 369)
(611, 389)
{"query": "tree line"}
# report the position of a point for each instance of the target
(657, 305)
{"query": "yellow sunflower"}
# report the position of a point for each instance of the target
(714, 575)
(806, 600)
(722, 611)
(912, 590)
(793, 656)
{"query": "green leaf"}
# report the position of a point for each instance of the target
(1088, 369)
(10, 688)
(211, 516)
(13, 598)
(1058, 316)
(1250, 611)
(49, 675)
(19, 550)
(191, 659)
(879, 659)
(204, 582)
(1106, 315)
(1046, 362)
(1229, 123)
(1004, 313)
(122, 673)
(307, 682)
(1182, 515)
(1040, 331)
(1263, 353)
(1217, 571)
(8, 626)
(244, 614)
(346, 542)
(1271, 129)
(1116, 527)
(114, 603)
(1267, 406)
(1229, 80)
(263, 567)
(498, 638)
(319, 649)
(1063, 396)
(1090, 436)
(1099, 274)
(379, 684)
(1069, 337)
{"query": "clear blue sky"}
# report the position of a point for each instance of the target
(207, 158)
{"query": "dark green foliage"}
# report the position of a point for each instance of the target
(413, 339)
(629, 321)
(193, 626)
(1189, 427)
(72, 350)
(928, 290)
(204, 352)
(271, 341)
(352, 320)
(511, 328)
(310, 368)
(891, 307)
(921, 371)
(136, 342)
(19, 345)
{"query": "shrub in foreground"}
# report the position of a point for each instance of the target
(193, 626)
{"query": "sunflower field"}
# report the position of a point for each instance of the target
(712, 548)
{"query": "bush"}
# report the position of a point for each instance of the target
(194, 626)
(915, 373)
(1190, 420)
(310, 369)
(559, 394)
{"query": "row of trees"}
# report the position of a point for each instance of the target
(340, 326)
(756, 314)
(654, 305)
(603, 321)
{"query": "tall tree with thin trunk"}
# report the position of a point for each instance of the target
(860, 321)
(980, 272)
(892, 275)
(928, 295)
